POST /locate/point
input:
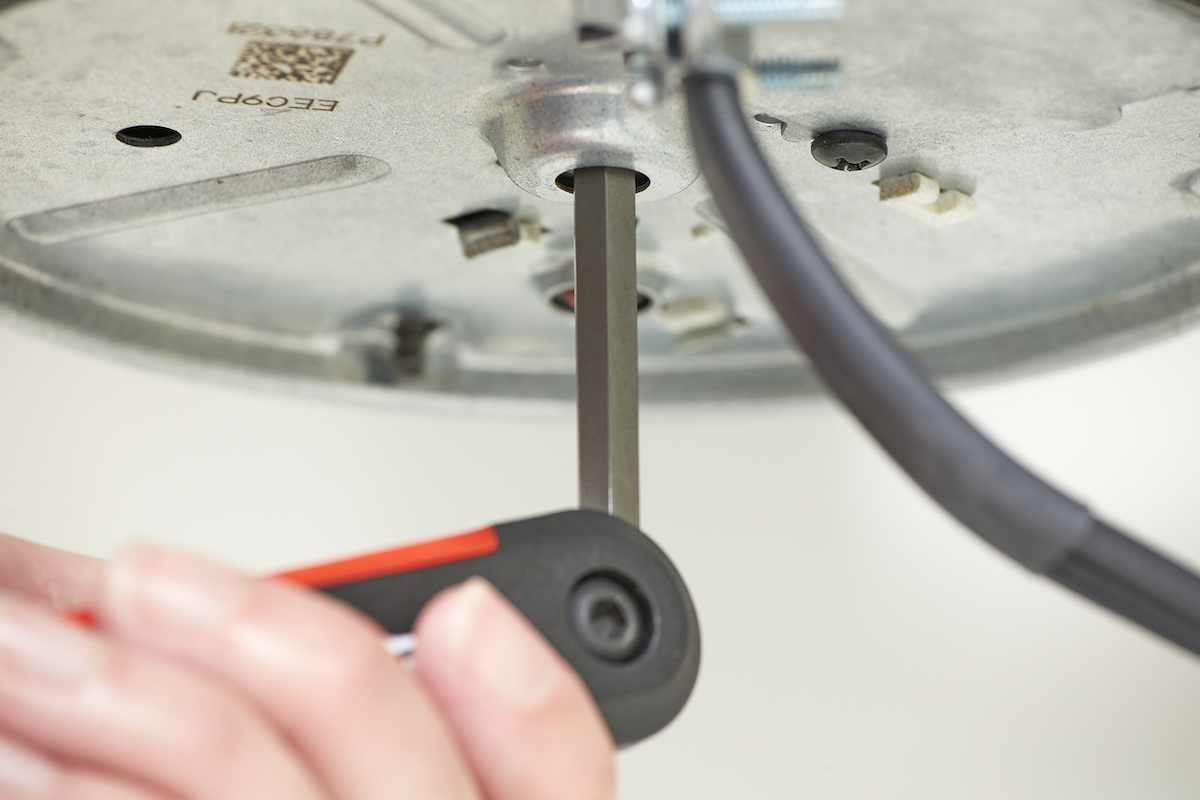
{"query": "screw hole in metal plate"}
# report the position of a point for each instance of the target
(849, 150)
(595, 33)
(566, 182)
(524, 64)
(565, 300)
(148, 136)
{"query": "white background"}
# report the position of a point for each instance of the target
(858, 644)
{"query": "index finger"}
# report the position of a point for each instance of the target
(47, 576)
(313, 665)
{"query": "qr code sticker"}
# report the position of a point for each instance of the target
(299, 63)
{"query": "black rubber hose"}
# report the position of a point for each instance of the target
(966, 473)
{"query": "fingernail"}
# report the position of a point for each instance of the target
(498, 647)
(37, 650)
(174, 598)
(24, 774)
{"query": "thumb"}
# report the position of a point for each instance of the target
(524, 718)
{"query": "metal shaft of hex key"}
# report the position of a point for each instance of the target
(606, 306)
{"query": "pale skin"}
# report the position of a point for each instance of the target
(202, 684)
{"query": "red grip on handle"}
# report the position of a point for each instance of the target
(409, 557)
(400, 559)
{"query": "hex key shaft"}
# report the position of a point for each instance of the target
(606, 306)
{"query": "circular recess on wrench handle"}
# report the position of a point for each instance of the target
(609, 618)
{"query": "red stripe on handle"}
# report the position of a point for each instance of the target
(372, 565)
(400, 559)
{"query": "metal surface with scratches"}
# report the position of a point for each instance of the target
(299, 234)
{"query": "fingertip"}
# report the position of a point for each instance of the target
(451, 615)
(170, 600)
(526, 719)
(494, 647)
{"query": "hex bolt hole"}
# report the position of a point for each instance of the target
(148, 136)
(566, 182)
(608, 620)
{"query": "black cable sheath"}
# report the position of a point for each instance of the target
(883, 387)
(1123, 575)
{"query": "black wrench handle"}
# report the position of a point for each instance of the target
(596, 587)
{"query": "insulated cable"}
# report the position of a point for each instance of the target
(978, 483)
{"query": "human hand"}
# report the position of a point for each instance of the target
(205, 685)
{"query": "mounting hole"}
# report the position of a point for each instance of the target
(564, 300)
(595, 33)
(524, 64)
(566, 182)
(148, 136)
(849, 150)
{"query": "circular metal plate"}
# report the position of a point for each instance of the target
(361, 196)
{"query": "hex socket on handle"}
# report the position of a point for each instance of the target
(608, 619)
